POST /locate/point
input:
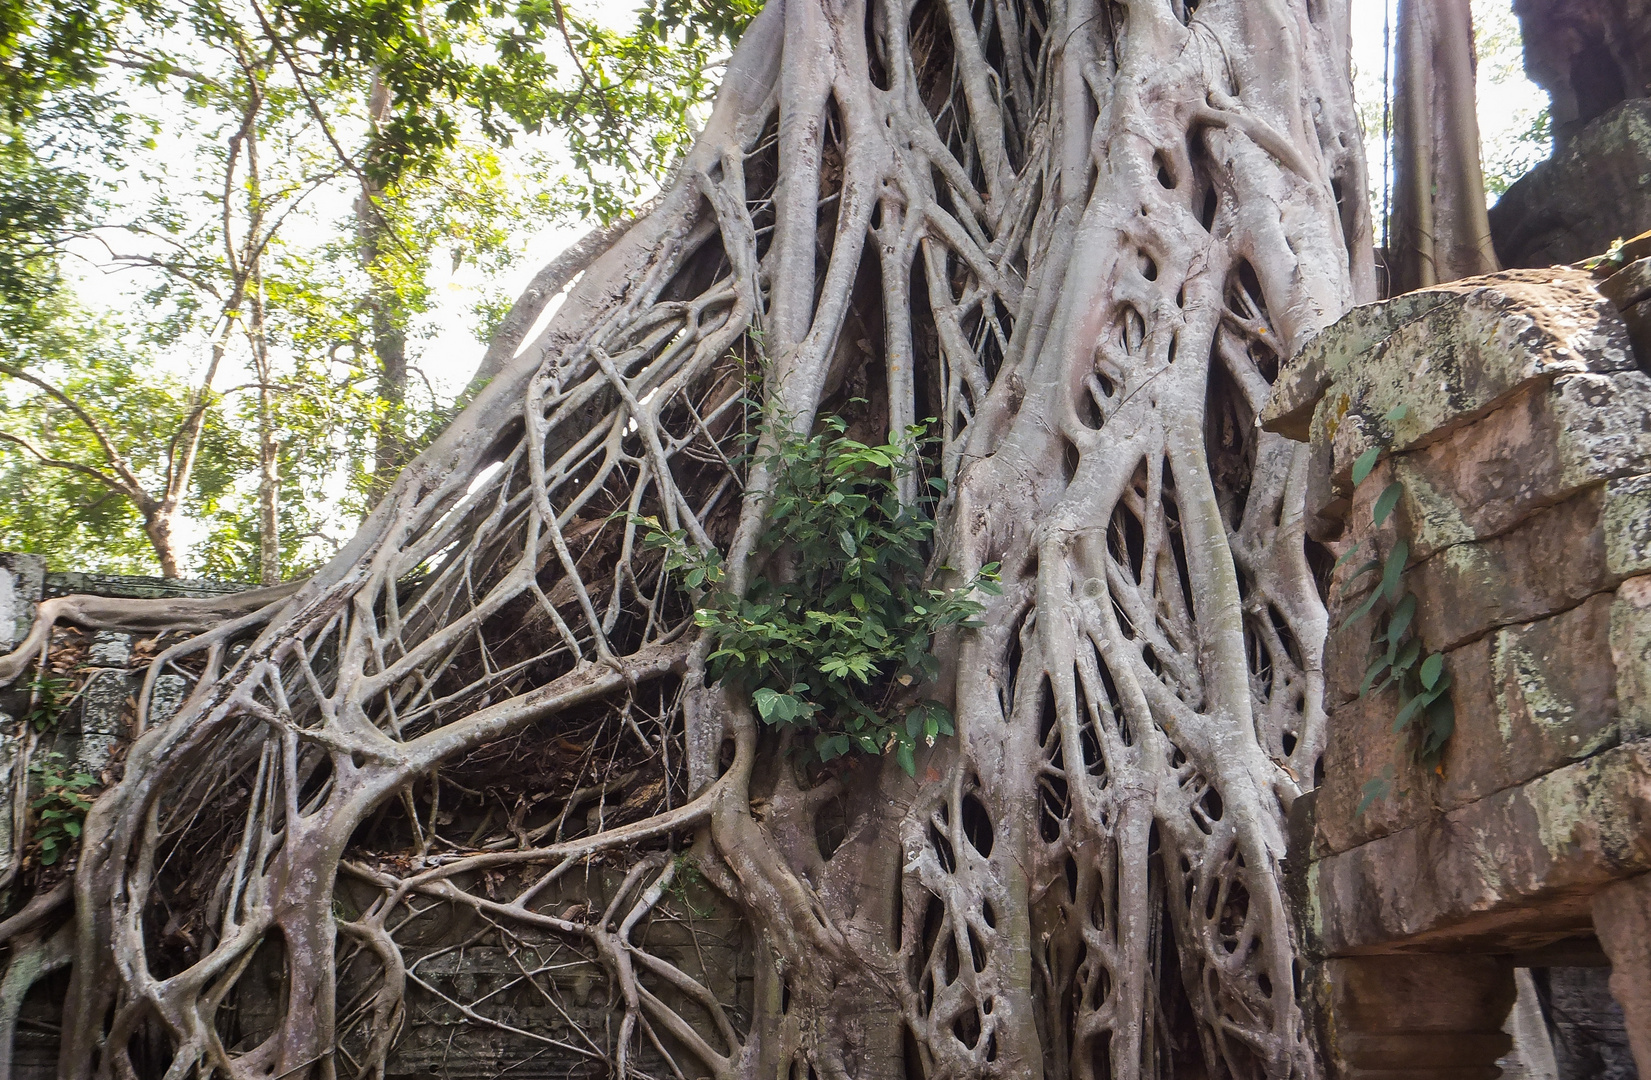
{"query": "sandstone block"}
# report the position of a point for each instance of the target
(1432, 1017)
(1629, 285)
(21, 578)
(1622, 918)
(1465, 357)
(1327, 355)
(1524, 706)
(1363, 749)
(1531, 698)
(1446, 361)
(1539, 449)
(1596, 187)
(1533, 851)
(1631, 653)
(1552, 561)
(1627, 525)
(1638, 321)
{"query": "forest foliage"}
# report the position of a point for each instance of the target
(229, 232)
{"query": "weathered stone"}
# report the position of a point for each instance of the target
(1467, 356)
(1631, 651)
(1590, 1034)
(1446, 354)
(1622, 919)
(21, 577)
(109, 648)
(1524, 860)
(1590, 193)
(1365, 750)
(90, 744)
(1627, 525)
(10, 744)
(1524, 707)
(167, 698)
(1549, 563)
(1588, 54)
(1324, 357)
(1539, 449)
(1637, 319)
(1433, 1017)
(136, 587)
(1629, 285)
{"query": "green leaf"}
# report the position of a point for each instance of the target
(1363, 609)
(1393, 570)
(1365, 462)
(1441, 716)
(1431, 667)
(1386, 501)
(1346, 557)
(1408, 711)
(1406, 659)
(1370, 676)
(1376, 788)
(1397, 413)
(903, 754)
(1349, 585)
(1399, 621)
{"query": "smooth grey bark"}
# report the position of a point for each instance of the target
(1441, 230)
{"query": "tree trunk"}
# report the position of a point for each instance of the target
(1441, 231)
(269, 449)
(160, 524)
(386, 319)
(1082, 237)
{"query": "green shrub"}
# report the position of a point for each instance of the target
(834, 647)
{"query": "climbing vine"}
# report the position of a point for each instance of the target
(59, 809)
(1427, 716)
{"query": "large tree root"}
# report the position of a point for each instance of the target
(1079, 234)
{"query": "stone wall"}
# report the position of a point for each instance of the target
(1514, 411)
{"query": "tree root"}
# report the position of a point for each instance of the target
(1081, 237)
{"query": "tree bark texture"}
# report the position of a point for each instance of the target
(1441, 231)
(1081, 236)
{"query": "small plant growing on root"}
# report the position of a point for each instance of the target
(837, 642)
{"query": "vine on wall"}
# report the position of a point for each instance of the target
(1427, 715)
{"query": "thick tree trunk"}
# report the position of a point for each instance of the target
(1441, 231)
(1080, 236)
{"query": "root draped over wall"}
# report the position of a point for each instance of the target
(1079, 235)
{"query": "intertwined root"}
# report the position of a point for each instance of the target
(1080, 236)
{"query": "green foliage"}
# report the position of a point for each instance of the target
(59, 809)
(1427, 716)
(282, 189)
(49, 695)
(623, 101)
(836, 642)
(67, 514)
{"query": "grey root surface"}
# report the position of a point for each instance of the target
(1080, 237)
